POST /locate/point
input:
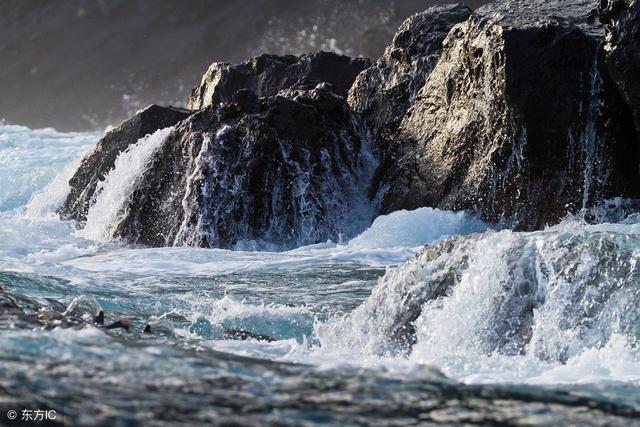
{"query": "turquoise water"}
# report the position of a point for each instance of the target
(533, 327)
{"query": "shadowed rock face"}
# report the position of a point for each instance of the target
(11, 316)
(101, 159)
(517, 121)
(266, 75)
(273, 158)
(383, 93)
(622, 19)
(291, 169)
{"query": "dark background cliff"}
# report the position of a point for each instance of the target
(85, 64)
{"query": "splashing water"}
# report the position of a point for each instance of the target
(551, 315)
(505, 306)
(107, 211)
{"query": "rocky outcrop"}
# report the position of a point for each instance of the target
(266, 75)
(271, 172)
(383, 93)
(518, 121)
(622, 19)
(509, 111)
(101, 159)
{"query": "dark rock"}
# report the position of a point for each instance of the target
(622, 20)
(518, 121)
(123, 324)
(99, 320)
(384, 92)
(246, 100)
(266, 75)
(6, 302)
(20, 312)
(290, 169)
(101, 159)
(241, 335)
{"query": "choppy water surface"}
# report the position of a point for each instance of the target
(489, 326)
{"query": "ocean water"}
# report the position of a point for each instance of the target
(483, 326)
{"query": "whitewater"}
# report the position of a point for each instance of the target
(499, 326)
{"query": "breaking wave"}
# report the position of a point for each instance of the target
(549, 306)
(482, 305)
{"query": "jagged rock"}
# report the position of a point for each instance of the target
(384, 92)
(101, 159)
(518, 121)
(622, 19)
(257, 165)
(266, 75)
(290, 169)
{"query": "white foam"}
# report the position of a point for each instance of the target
(576, 281)
(451, 330)
(391, 240)
(30, 159)
(46, 202)
(416, 228)
(115, 191)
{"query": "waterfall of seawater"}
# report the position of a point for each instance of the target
(210, 196)
(114, 193)
(490, 303)
(590, 142)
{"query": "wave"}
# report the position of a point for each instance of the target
(115, 192)
(391, 240)
(505, 305)
(30, 159)
(483, 305)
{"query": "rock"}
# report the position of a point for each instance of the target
(281, 171)
(622, 20)
(123, 324)
(266, 75)
(508, 111)
(101, 159)
(99, 319)
(160, 327)
(518, 121)
(384, 92)
(242, 335)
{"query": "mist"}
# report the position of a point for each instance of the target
(83, 65)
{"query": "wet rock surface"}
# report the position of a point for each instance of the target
(101, 159)
(518, 121)
(288, 170)
(510, 112)
(266, 75)
(622, 19)
(383, 93)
